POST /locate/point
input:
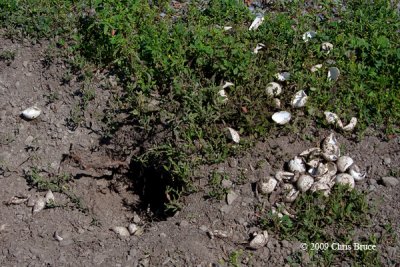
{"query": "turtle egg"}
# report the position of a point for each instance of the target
(304, 182)
(343, 163)
(268, 186)
(273, 89)
(297, 165)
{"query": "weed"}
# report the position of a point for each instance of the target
(7, 56)
(217, 190)
(328, 220)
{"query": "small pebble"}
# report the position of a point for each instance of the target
(390, 181)
(231, 197)
(184, 223)
(387, 161)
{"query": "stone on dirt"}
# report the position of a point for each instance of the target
(390, 181)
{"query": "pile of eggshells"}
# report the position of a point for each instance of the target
(36, 202)
(315, 169)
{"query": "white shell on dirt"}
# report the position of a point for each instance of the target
(292, 195)
(233, 135)
(282, 76)
(268, 186)
(223, 95)
(307, 36)
(259, 240)
(304, 182)
(357, 173)
(273, 89)
(31, 201)
(258, 48)
(327, 47)
(31, 113)
(227, 84)
(311, 151)
(330, 148)
(297, 165)
(227, 28)
(256, 23)
(287, 187)
(332, 118)
(132, 228)
(121, 231)
(300, 99)
(59, 235)
(316, 68)
(332, 168)
(49, 197)
(352, 124)
(39, 204)
(333, 74)
(281, 117)
(345, 179)
(343, 163)
(284, 176)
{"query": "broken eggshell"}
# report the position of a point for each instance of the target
(282, 76)
(268, 186)
(352, 124)
(316, 67)
(227, 84)
(299, 99)
(233, 135)
(330, 148)
(258, 48)
(49, 197)
(332, 118)
(343, 163)
(281, 117)
(259, 240)
(223, 95)
(292, 195)
(357, 173)
(304, 182)
(307, 36)
(31, 113)
(297, 165)
(256, 23)
(327, 47)
(284, 176)
(273, 89)
(333, 74)
(40, 204)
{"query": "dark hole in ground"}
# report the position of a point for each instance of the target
(150, 182)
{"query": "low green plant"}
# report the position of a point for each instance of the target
(326, 220)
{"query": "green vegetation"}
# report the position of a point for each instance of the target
(58, 183)
(328, 220)
(172, 64)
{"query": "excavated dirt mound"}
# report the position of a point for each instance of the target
(103, 193)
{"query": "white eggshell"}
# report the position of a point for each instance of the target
(268, 186)
(273, 89)
(233, 135)
(256, 23)
(304, 182)
(343, 163)
(297, 165)
(281, 117)
(357, 173)
(259, 240)
(352, 124)
(40, 204)
(307, 36)
(31, 113)
(300, 99)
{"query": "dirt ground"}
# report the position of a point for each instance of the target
(108, 198)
